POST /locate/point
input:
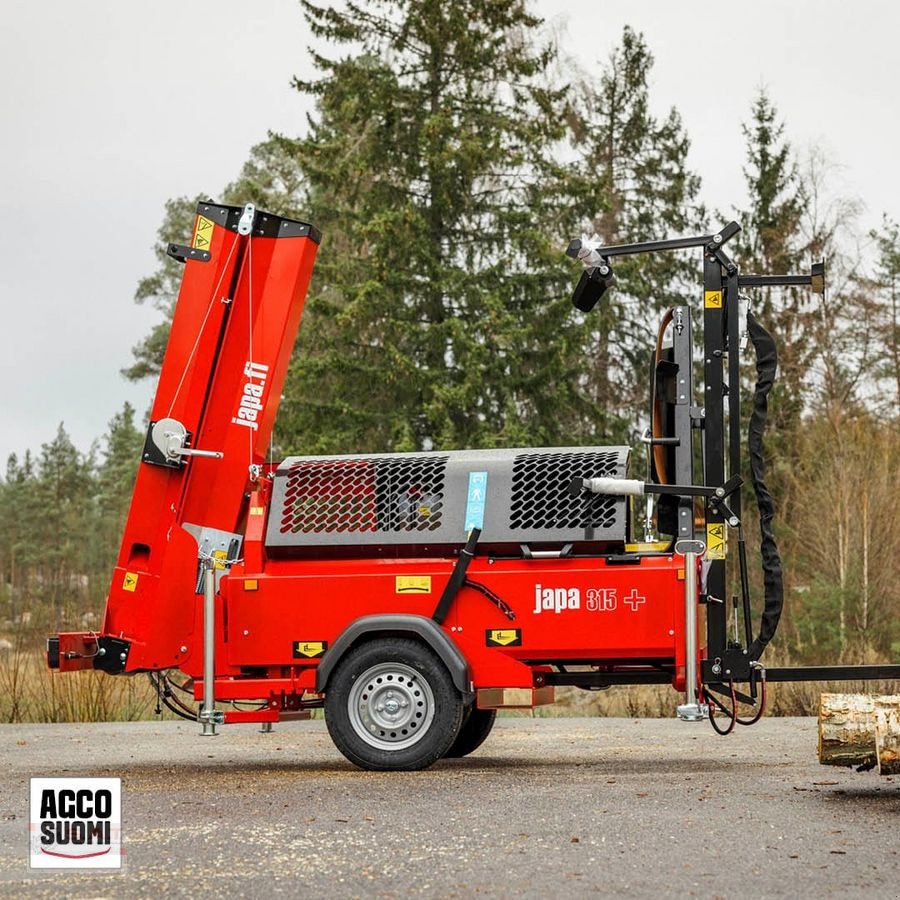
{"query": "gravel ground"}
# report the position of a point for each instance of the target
(547, 807)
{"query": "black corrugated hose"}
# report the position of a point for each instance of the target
(766, 365)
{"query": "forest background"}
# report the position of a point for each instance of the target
(450, 156)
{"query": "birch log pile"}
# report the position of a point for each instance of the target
(860, 730)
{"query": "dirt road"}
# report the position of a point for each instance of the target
(546, 808)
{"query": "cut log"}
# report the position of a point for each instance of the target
(847, 730)
(860, 730)
(887, 735)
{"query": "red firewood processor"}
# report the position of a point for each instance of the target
(412, 595)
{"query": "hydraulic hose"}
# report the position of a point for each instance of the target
(766, 366)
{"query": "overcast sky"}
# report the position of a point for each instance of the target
(110, 108)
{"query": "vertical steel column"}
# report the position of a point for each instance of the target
(714, 300)
(682, 356)
(691, 710)
(733, 326)
(208, 717)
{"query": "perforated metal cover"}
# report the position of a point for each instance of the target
(344, 496)
(416, 502)
(540, 491)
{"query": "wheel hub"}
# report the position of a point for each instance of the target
(391, 706)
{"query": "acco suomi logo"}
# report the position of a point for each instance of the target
(76, 823)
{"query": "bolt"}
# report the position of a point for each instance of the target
(716, 669)
(718, 239)
(123, 656)
(246, 632)
(183, 648)
(734, 521)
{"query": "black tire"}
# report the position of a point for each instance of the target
(391, 705)
(473, 733)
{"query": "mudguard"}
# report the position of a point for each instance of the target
(398, 624)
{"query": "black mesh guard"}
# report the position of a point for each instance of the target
(541, 497)
(364, 495)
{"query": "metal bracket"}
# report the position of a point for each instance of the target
(692, 712)
(223, 548)
(209, 721)
(245, 223)
(182, 252)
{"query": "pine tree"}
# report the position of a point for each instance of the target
(114, 483)
(631, 183)
(58, 510)
(17, 543)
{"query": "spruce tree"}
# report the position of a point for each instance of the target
(438, 316)
(887, 316)
(772, 243)
(631, 183)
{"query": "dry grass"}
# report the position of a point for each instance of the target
(30, 692)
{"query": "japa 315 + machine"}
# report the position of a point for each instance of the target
(414, 594)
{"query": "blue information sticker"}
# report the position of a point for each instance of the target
(475, 500)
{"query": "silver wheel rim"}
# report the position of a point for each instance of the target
(391, 706)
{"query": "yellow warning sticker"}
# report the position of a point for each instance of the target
(412, 584)
(715, 540)
(203, 233)
(504, 637)
(711, 299)
(219, 557)
(130, 582)
(309, 649)
(257, 510)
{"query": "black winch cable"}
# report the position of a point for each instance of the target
(766, 366)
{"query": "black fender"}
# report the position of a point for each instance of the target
(427, 630)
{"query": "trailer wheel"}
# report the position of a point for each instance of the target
(473, 733)
(392, 705)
